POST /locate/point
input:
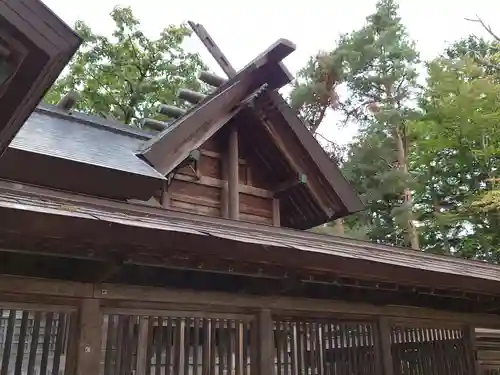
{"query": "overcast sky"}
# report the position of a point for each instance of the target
(242, 29)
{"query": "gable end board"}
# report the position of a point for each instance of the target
(47, 44)
(350, 200)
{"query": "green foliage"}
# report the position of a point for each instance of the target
(457, 158)
(128, 75)
(377, 66)
(449, 132)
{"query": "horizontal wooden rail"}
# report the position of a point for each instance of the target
(111, 294)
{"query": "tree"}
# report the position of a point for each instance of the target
(377, 64)
(457, 157)
(128, 75)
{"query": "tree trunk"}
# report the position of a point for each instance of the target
(338, 227)
(413, 239)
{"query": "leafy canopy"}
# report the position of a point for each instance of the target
(128, 75)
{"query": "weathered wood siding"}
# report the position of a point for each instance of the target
(203, 193)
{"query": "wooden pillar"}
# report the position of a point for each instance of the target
(384, 333)
(142, 346)
(89, 341)
(276, 212)
(266, 342)
(470, 337)
(72, 348)
(233, 179)
(224, 199)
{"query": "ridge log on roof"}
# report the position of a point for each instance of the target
(39, 45)
(165, 153)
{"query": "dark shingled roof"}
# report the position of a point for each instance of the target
(84, 139)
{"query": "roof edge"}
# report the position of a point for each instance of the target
(347, 195)
(92, 120)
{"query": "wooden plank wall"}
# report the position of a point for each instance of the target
(203, 194)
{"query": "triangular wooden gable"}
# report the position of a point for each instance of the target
(294, 183)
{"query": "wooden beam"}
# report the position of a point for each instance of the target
(473, 362)
(286, 304)
(72, 348)
(233, 175)
(286, 152)
(300, 179)
(224, 199)
(68, 101)
(190, 96)
(266, 342)
(384, 330)
(109, 270)
(171, 111)
(215, 182)
(276, 212)
(35, 286)
(142, 346)
(218, 155)
(89, 341)
(153, 124)
(205, 38)
(211, 79)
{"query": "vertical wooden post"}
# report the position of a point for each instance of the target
(142, 345)
(384, 333)
(233, 178)
(224, 199)
(266, 342)
(470, 336)
(276, 212)
(71, 349)
(89, 341)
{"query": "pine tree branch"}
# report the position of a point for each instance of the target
(485, 26)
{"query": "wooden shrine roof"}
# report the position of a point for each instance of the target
(38, 46)
(77, 152)
(83, 226)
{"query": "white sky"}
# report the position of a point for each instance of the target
(243, 29)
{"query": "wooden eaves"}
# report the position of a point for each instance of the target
(39, 45)
(49, 222)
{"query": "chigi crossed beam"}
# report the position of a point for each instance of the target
(214, 50)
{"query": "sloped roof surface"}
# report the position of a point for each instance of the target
(83, 139)
(308, 249)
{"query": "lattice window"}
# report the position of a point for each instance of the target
(325, 347)
(430, 351)
(176, 345)
(32, 341)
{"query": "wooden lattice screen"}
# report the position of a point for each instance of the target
(168, 345)
(33, 342)
(326, 347)
(430, 351)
